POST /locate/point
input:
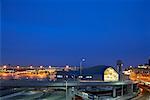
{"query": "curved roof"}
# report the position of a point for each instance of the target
(96, 70)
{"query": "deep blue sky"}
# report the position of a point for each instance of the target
(53, 32)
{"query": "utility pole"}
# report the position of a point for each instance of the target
(82, 60)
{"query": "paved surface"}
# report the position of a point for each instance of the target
(36, 95)
(30, 95)
(145, 93)
(144, 96)
(33, 83)
(55, 96)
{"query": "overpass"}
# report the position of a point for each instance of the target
(68, 85)
(45, 83)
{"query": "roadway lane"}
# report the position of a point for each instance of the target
(145, 92)
(28, 95)
(144, 96)
(57, 95)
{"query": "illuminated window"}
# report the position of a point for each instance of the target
(110, 75)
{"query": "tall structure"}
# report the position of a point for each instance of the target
(82, 60)
(149, 61)
(119, 69)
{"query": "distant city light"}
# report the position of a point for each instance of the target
(66, 76)
(142, 66)
(80, 77)
(90, 77)
(128, 72)
(59, 76)
(18, 66)
(50, 66)
(67, 66)
(5, 66)
(41, 66)
(131, 66)
(31, 67)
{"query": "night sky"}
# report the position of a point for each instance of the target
(58, 32)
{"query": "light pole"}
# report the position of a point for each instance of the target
(82, 60)
(74, 76)
(66, 90)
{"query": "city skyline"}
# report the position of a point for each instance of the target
(60, 33)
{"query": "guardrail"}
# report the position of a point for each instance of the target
(34, 83)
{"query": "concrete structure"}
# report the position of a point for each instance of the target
(71, 87)
(119, 69)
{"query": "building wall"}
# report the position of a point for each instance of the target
(110, 75)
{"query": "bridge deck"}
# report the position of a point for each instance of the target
(35, 83)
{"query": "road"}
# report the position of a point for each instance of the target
(55, 96)
(36, 95)
(144, 96)
(28, 95)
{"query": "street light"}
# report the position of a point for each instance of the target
(82, 60)
(41, 67)
(50, 66)
(66, 90)
(4, 66)
(31, 67)
(18, 67)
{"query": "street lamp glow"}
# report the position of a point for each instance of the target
(5, 66)
(67, 66)
(18, 67)
(131, 66)
(50, 66)
(82, 60)
(41, 66)
(31, 67)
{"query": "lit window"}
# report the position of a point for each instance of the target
(110, 75)
(80, 76)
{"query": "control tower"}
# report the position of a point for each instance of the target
(119, 69)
